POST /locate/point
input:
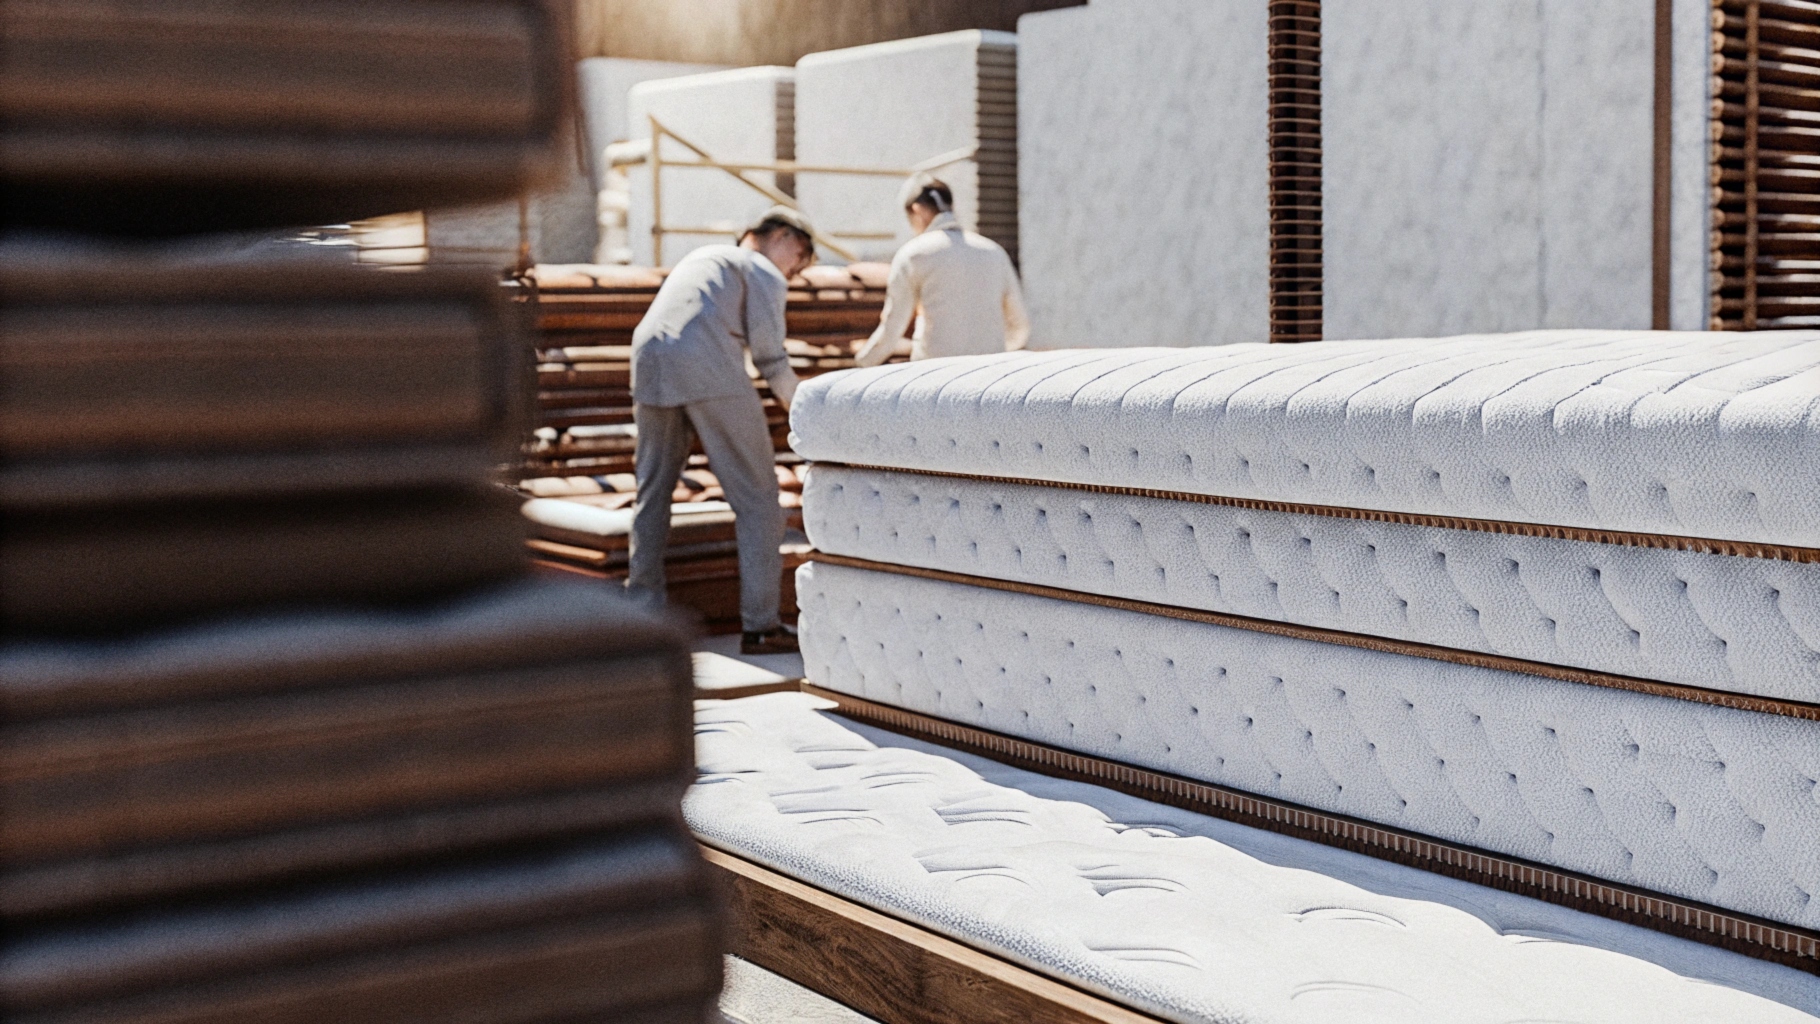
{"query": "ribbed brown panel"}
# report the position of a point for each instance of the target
(1766, 164)
(1295, 170)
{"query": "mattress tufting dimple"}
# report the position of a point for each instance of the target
(1188, 917)
(1700, 802)
(1742, 625)
(1676, 433)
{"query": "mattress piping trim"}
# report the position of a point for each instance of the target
(1586, 535)
(1386, 645)
(1741, 933)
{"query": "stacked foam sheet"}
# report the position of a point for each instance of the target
(1552, 596)
(1188, 917)
(901, 104)
(739, 116)
(182, 439)
(287, 114)
(286, 734)
(464, 808)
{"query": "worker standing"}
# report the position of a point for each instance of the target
(689, 375)
(963, 283)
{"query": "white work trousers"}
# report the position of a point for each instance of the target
(738, 445)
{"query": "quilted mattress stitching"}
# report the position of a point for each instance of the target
(1701, 802)
(1561, 609)
(1192, 918)
(1671, 433)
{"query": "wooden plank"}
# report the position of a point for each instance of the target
(889, 969)
(749, 690)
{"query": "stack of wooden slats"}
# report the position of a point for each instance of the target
(151, 116)
(1295, 171)
(288, 730)
(581, 453)
(1766, 164)
(997, 154)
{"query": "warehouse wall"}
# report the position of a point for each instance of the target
(741, 32)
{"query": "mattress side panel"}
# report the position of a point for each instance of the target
(1700, 802)
(1741, 625)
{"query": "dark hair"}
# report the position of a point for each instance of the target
(936, 196)
(770, 225)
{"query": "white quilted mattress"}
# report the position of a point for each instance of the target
(1688, 434)
(1187, 917)
(1693, 800)
(1744, 625)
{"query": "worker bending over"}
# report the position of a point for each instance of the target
(963, 282)
(689, 373)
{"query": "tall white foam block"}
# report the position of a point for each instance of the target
(899, 104)
(605, 84)
(1142, 173)
(739, 116)
(1489, 166)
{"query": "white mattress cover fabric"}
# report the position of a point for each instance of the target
(1692, 800)
(1183, 915)
(1744, 625)
(1702, 434)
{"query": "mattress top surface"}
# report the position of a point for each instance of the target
(1175, 913)
(1713, 435)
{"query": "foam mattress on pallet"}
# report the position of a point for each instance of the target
(1188, 917)
(1734, 624)
(1697, 801)
(1678, 434)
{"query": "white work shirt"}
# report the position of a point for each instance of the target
(720, 302)
(968, 291)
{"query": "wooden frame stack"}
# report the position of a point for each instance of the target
(287, 730)
(1295, 170)
(1765, 164)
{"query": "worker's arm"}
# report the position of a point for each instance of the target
(765, 297)
(900, 306)
(1017, 321)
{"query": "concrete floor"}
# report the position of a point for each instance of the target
(787, 666)
(754, 995)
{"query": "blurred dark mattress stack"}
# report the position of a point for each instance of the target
(578, 463)
(288, 731)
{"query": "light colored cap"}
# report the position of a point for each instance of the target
(915, 186)
(780, 215)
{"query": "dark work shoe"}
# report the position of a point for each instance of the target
(781, 640)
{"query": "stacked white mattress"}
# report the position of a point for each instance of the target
(1185, 916)
(1554, 596)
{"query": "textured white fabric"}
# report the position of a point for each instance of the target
(1693, 800)
(1189, 917)
(1746, 625)
(1710, 435)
